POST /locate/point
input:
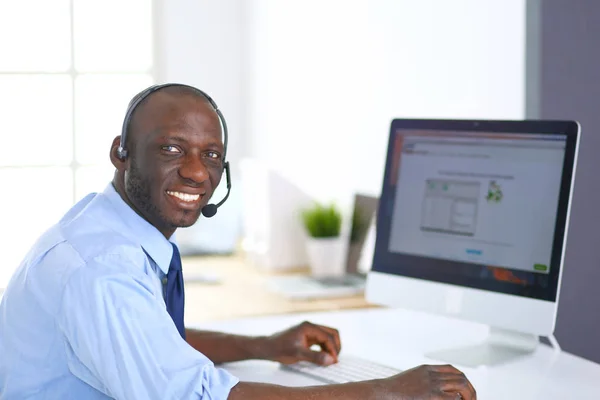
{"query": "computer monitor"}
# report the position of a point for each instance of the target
(472, 223)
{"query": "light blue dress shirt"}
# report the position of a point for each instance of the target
(84, 316)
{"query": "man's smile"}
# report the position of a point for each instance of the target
(184, 196)
(184, 199)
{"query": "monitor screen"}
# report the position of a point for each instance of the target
(476, 207)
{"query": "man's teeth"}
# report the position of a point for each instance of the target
(184, 196)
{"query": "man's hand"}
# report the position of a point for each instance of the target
(294, 344)
(428, 382)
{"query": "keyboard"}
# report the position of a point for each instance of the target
(348, 369)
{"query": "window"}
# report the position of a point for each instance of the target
(67, 71)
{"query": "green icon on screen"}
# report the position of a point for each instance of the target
(540, 267)
(494, 194)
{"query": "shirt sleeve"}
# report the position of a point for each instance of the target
(121, 340)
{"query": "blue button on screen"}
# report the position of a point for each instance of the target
(475, 252)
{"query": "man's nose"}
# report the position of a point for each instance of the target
(194, 169)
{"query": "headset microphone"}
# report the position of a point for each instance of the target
(208, 210)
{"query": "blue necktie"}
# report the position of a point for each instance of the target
(174, 297)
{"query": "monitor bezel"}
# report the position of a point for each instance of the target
(407, 265)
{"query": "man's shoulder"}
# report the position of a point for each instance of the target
(60, 255)
(94, 231)
(88, 241)
(82, 246)
(93, 242)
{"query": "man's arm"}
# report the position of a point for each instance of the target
(222, 347)
(426, 382)
(287, 347)
(254, 391)
(123, 342)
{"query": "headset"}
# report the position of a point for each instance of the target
(208, 210)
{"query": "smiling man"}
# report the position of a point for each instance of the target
(95, 311)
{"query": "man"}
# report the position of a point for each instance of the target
(95, 310)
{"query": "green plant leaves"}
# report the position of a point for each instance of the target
(322, 221)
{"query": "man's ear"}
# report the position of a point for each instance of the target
(114, 154)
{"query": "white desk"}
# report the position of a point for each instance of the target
(401, 338)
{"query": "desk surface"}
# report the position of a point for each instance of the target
(243, 292)
(400, 339)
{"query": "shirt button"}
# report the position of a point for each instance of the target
(164, 281)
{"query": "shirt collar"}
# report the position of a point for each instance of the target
(141, 231)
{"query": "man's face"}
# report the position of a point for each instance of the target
(175, 160)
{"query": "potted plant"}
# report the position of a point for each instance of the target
(324, 244)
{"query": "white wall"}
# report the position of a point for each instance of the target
(311, 85)
(202, 43)
(326, 78)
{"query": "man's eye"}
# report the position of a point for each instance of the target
(170, 149)
(213, 155)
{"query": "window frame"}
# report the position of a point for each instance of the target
(73, 74)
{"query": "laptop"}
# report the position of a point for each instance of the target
(353, 281)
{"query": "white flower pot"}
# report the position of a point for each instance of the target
(326, 256)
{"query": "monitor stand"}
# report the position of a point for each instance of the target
(499, 347)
